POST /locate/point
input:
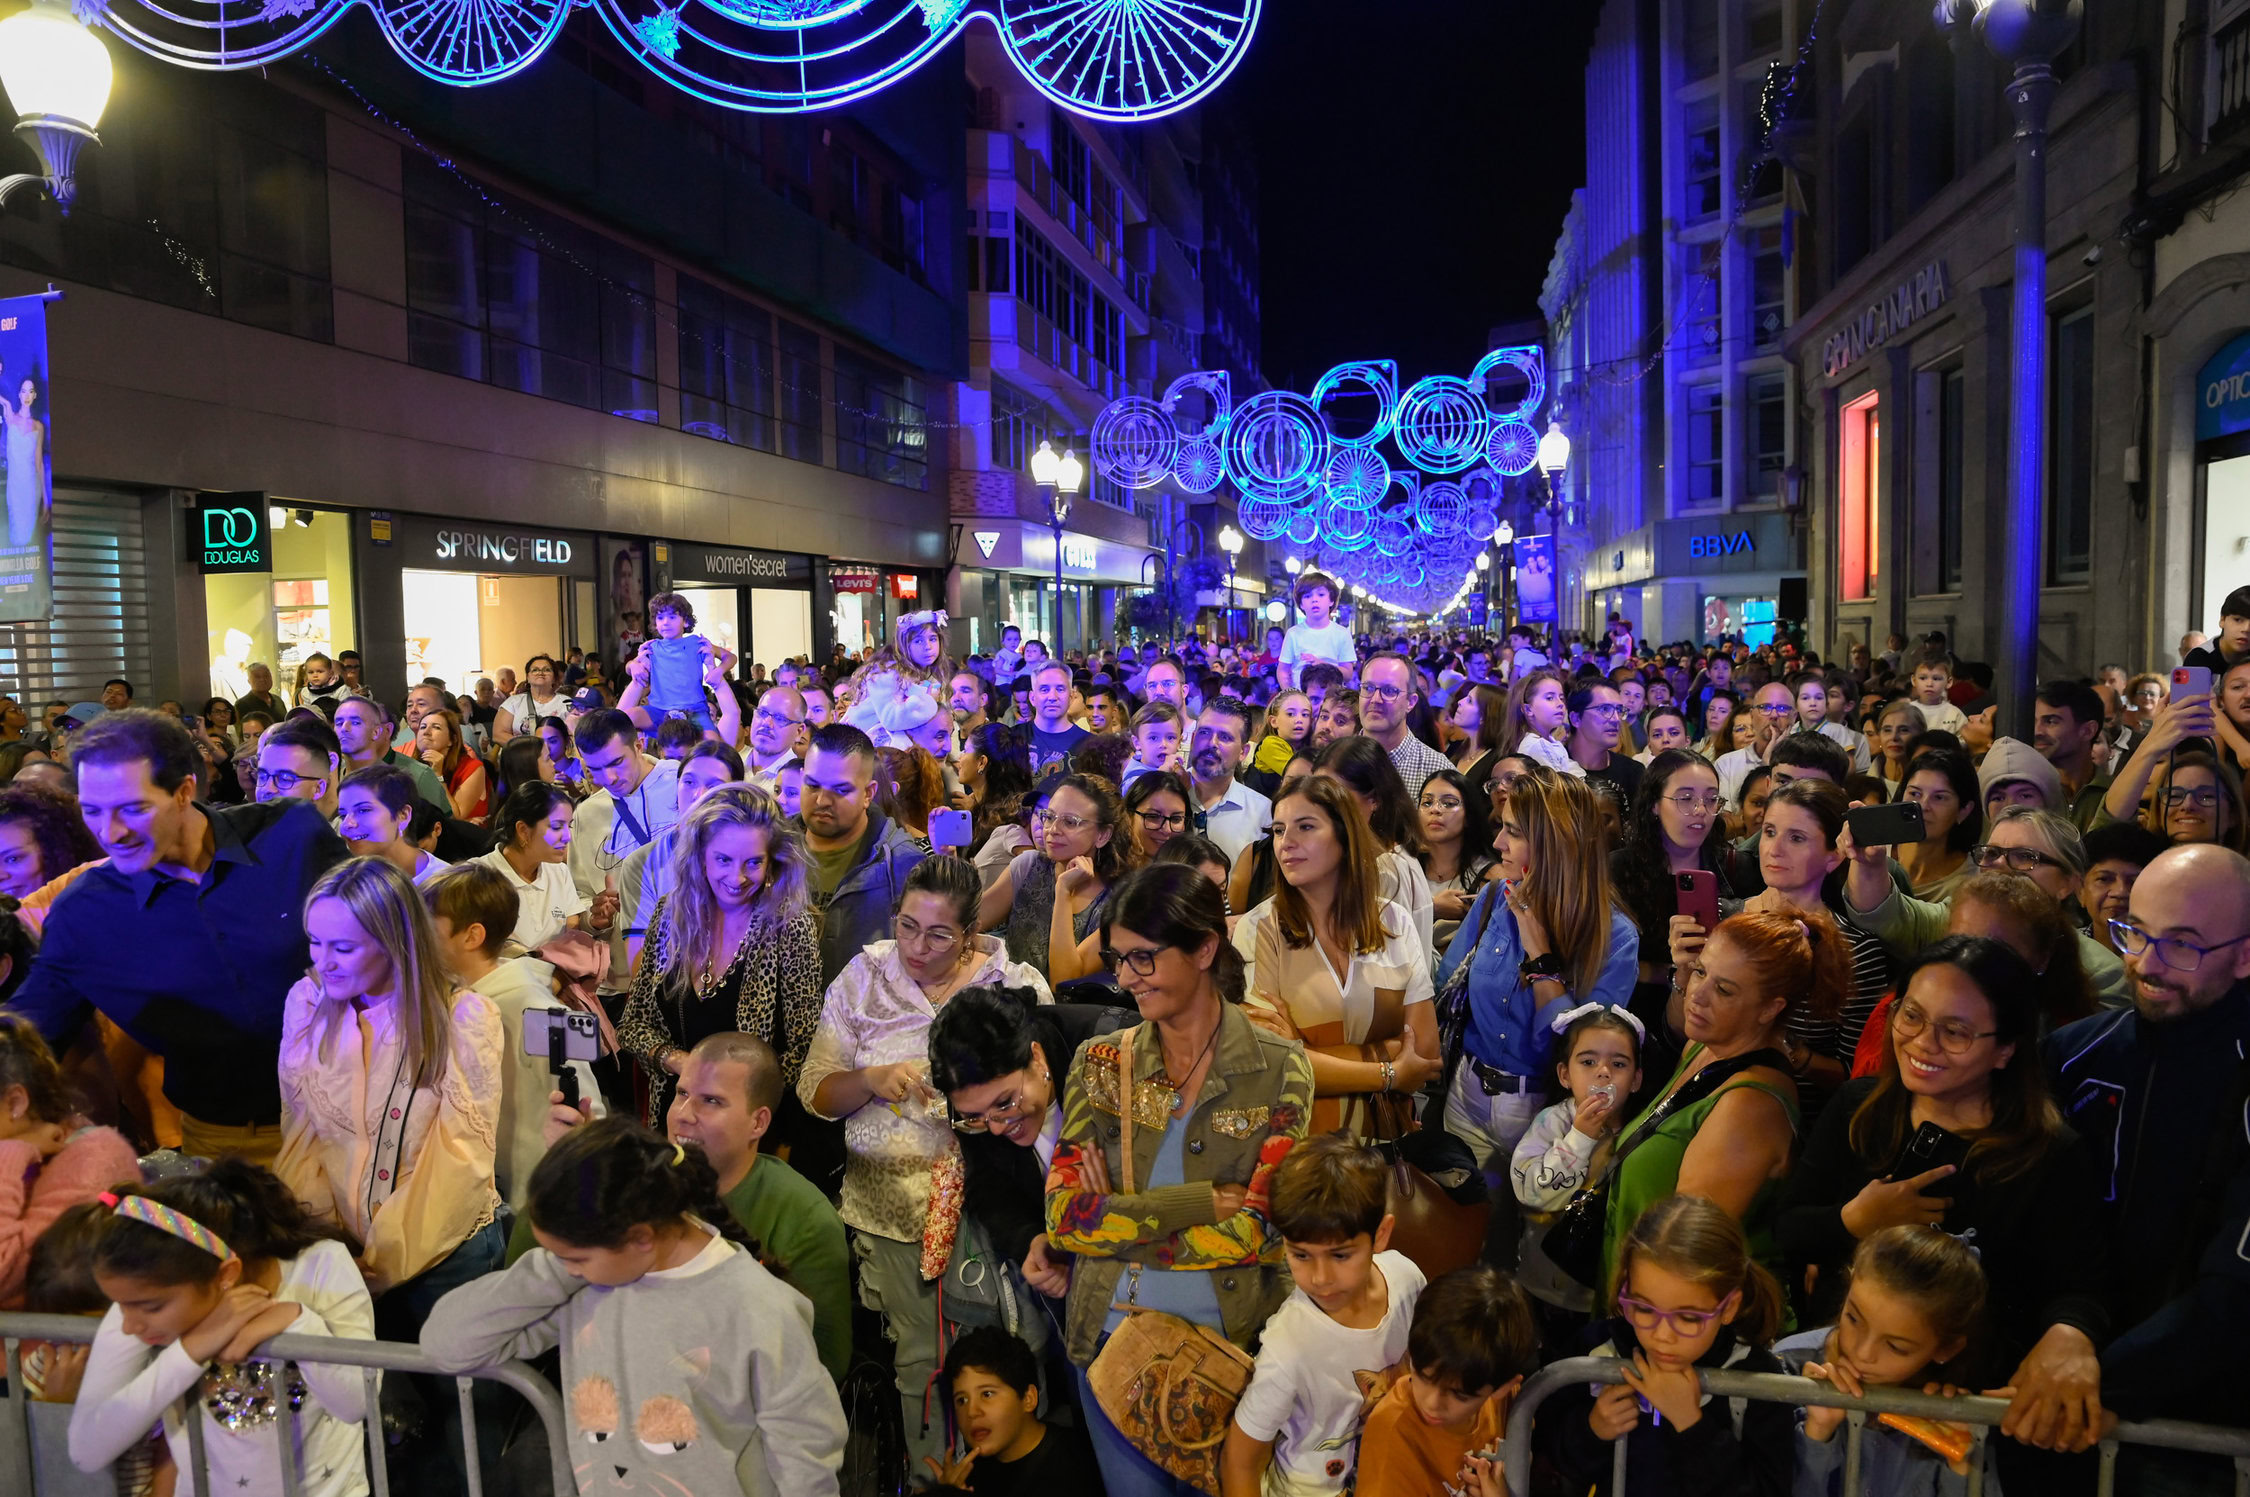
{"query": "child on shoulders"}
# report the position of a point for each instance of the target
(1327, 1354)
(1319, 639)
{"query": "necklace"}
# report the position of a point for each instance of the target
(1164, 1077)
(709, 983)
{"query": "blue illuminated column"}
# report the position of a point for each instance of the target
(2026, 34)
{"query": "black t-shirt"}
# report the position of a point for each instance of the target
(1061, 1464)
(1620, 780)
(1050, 752)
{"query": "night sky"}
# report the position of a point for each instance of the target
(1416, 159)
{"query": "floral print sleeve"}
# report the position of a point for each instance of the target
(1169, 1226)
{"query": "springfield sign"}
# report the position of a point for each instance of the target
(1910, 301)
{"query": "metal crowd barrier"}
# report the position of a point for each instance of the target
(20, 1474)
(1771, 1387)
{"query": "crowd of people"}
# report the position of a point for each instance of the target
(1362, 1021)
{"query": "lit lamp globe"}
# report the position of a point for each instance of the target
(1070, 473)
(1554, 451)
(1046, 466)
(57, 77)
(1292, 566)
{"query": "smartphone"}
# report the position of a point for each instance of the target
(949, 828)
(2191, 680)
(1698, 893)
(561, 1035)
(1885, 826)
(1929, 1148)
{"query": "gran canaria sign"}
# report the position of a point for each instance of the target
(1910, 301)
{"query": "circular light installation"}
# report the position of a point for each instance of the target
(1527, 360)
(1356, 477)
(467, 41)
(1264, 519)
(1214, 385)
(1304, 527)
(1125, 59)
(1347, 528)
(1393, 535)
(1441, 510)
(1513, 446)
(1277, 447)
(1199, 466)
(1376, 377)
(1442, 424)
(1134, 442)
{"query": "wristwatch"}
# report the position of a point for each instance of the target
(1546, 964)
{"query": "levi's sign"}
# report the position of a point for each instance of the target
(1909, 302)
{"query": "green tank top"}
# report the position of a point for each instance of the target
(1652, 1171)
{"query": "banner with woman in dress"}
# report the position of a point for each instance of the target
(26, 449)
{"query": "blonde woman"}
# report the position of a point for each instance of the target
(1550, 935)
(1334, 965)
(735, 947)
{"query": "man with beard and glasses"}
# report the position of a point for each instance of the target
(2161, 1091)
(1234, 814)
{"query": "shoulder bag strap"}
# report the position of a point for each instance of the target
(1125, 1039)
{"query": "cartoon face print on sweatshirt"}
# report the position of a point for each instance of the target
(621, 1456)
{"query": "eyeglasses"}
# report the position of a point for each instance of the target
(1163, 821)
(1953, 1036)
(1648, 1317)
(286, 782)
(764, 714)
(2018, 859)
(1387, 693)
(924, 937)
(1604, 709)
(1000, 1114)
(2180, 795)
(1688, 800)
(1063, 819)
(2179, 955)
(1776, 709)
(1142, 961)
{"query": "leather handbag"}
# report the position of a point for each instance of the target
(1432, 1226)
(1168, 1385)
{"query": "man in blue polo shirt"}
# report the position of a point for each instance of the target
(190, 936)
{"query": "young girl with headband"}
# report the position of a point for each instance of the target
(1567, 1147)
(686, 1366)
(200, 1272)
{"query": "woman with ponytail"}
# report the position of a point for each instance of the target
(1721, 1128)
(689, 1366)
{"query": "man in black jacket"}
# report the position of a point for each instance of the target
(2160, 1091)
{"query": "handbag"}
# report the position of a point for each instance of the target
(1168, 1385)
(1573, 1242)
(1434, 1226)
(979, 1286)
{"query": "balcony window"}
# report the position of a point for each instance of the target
(1767, 399)
(1705, 448)
(1703, 187)
(1769, 315)
(1699, 302)
(2070, 450)
(882, 427)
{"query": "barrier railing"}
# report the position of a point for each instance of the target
(1770, 1387)
(20, 1474)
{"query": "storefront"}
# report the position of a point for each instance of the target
(1709, 578)
(1007, 576)
(277, 586)
(2222, 457)
(475, 597)
(758, 604)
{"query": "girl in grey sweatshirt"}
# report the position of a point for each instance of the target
(686, 1366)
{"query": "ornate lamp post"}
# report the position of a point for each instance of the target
(2026, 34)
(57, 76)
(1060, 478)
(1230, 541)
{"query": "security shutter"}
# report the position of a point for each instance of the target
(100, 626)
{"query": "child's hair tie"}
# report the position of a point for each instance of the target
(1564, 1021)
(151, 1213)
(108, 1198)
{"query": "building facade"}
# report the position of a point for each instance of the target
(1668, 302)
(1093, 273)
(487, 386)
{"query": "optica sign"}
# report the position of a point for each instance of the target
(2222, 391)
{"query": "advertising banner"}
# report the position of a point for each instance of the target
(27, 557)
(1535, 579)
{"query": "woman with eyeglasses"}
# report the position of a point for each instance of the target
(1049, 899)
(2040, 847)
(1545, 936)
(2198, 800)
(1676, 828)
(1943, 782)
(1961, 1070)
(1156, 811)
(868, 1066)
(1455, 822)
(1178, 1222)
(1337, 967)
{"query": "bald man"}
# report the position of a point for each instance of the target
(2160, 1091)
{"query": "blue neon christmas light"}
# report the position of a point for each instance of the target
(1118, 60)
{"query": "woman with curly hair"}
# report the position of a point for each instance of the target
(42, 837)
(734, 947)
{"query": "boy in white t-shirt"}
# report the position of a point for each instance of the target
(1933, 681)
(1319, 637)
(1334, 1347)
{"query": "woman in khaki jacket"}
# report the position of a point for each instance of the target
(1178, 1220)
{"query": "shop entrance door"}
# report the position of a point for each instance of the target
(2226, 535)
(463, 625)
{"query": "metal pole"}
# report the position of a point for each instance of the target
(2030, 93)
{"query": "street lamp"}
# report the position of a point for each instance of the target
(1554, 456)
(57, 76)
(2025, 34)
(1292, 566)
(1230, 541)
(1061, 477)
